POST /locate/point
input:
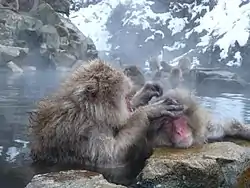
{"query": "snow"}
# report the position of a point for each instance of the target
(225, 24)
(176, 25)
(176, 45)
(229, 20)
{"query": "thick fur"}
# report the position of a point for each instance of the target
(87, 121)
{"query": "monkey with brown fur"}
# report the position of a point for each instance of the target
(196, 126)
(175, 77)
(87, 121)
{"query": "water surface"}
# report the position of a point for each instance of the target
(18, 94)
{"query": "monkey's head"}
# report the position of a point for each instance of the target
(190, 128)
(98, 87)
(166, 67)
(175, 77)
(184, 64)
(176, 72)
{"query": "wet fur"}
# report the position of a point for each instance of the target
(80, 122)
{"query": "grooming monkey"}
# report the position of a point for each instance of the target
(88, 122)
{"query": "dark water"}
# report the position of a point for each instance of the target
(18, 94)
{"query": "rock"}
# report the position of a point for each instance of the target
(77, 64)
(42, 38)
(219, 80)
(46, 14)
(50, 37)
(78, 44)
(208, 73)
(9, 53)
(14, 67)
(222, 164)
(61, 6)
(70, 179)
(64, 59)
(223, 85)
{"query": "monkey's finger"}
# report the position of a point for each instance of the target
(177, 114)
(174, 108)
(154, 94)
(171, 114)
(170, 101)
(168, 114)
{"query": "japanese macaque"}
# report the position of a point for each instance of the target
(184, 64)
(196, 126)
(88, 122)
(175, 77)
(165, 66)
(136, 77)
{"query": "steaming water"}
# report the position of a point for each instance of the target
(17, 96)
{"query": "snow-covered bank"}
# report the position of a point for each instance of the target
(140, 27)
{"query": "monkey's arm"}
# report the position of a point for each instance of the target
(232, 128)
(236, 129)
(145, 94)
(143, 120)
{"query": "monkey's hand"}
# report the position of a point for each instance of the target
(152, 90)
(146, 93)
(168, 108)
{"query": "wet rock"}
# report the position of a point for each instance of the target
(46, 14)
(221, 80)
(50, 36)
(10, 53)
(70, 179)
(14, 67)
(202, 74)
(63, 59)
(61, 6)
(78, 44)
(222, 164)
(49, 39)
(223, 85)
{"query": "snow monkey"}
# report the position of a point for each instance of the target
(196, 126)
(184, 64)
(87, 121)
(175, 77)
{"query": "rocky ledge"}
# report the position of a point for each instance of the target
(222, 164)
(41, 37)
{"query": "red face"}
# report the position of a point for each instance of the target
(180, 133)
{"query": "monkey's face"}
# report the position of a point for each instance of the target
(180, 133)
